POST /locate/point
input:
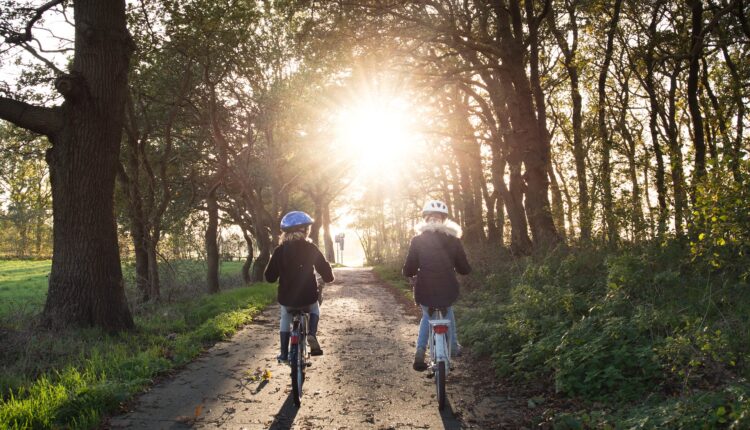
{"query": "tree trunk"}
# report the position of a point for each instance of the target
(650, 85)
(533, 22)
(85, 283)
(137, 231)
(675, 155)
(579, 154)
(265, 245)
(327, 240)
(212, 245)
(246, 278)
(558, 210)
(610, 221)
(696, 50)
(153, 269)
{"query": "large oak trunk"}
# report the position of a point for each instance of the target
(85, 283)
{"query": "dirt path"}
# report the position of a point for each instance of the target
(364, 380)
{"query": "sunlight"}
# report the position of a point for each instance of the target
(377, 135)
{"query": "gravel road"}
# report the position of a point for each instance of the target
(363, 381)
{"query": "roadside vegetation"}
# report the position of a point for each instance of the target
(640, 337)
(71, 378)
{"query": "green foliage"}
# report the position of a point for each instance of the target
(617, 327)
(90, 373)
(722, 220)
(391, 273)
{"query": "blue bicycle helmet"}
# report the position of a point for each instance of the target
(295, 219)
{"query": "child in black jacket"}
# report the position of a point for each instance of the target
(435, 256)
(292, 264)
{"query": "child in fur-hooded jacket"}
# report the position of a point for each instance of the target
(436, 255)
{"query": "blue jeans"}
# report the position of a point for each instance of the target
(286, 317)
(424, 327)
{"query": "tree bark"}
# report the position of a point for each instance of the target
(212, 245)
(675, 155)
(650, 85)
(610, 221)
(265, 245)
(85, 284)
(327, 240)
(153, 269)
(579, 155)
(696, 50)
(246, 278)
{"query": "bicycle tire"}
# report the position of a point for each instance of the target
(297, 373)
(440, 384)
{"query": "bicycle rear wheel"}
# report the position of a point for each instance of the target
(440, 384)
(296, 362)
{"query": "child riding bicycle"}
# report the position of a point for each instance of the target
(292, 263)
(435, 256)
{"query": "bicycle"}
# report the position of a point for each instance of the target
(298, 353)
(440, 351)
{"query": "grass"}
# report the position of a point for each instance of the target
(23, 283)
(72, 378)
(391, 273)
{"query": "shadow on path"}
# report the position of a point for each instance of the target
(286, 415)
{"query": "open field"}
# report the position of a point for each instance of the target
(71, 378)
(23, 283)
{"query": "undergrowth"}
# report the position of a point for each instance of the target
(648, 337)
(72, 378)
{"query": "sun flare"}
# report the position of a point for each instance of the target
(378, 135)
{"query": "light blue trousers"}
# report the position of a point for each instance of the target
(424, 328)
(286, 316)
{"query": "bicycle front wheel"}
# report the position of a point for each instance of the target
(440, 384)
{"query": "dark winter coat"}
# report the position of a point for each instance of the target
(435, 255)
(292, 264)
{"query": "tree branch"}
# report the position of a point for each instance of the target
(19, 38)
(42, 120)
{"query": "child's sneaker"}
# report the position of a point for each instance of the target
(314, 345)
(282, 358)
(419, 364)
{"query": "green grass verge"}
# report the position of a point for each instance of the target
(391, 273)
(23, 283)
(71, 379)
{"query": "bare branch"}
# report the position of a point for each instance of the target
(19, 38)
(33, 52)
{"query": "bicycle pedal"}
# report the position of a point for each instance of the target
(430, 375)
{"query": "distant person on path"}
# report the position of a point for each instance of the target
(292, 264)
(434, 257)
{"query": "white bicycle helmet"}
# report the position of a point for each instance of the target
(435, 206)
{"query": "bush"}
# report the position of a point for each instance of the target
(616, 327)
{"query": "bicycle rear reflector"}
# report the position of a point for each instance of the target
(440, 329)
(295, 339)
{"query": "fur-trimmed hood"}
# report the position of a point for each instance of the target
(447, 227)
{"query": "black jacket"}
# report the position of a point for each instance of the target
(292, 264)
(434, 257)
